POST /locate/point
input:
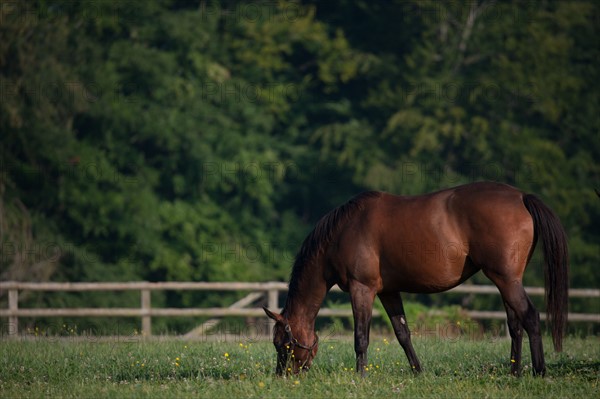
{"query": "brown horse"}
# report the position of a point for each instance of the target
(381, 244)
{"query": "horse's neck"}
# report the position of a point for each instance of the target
(304, 302)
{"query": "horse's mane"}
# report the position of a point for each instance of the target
(326, 228)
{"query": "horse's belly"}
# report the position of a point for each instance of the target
(426, 277)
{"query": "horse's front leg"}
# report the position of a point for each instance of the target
(392, 302)
(362, 308)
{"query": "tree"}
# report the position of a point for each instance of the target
(201, 141)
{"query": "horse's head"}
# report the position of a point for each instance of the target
(293, 355)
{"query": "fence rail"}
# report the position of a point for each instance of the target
(270, 289)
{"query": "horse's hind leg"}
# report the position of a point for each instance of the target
(393, 306)
(516, 334)
(516, 299)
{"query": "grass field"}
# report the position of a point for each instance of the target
(129, 367)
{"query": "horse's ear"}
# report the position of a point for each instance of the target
(272, 315)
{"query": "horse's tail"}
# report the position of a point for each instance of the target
(556, 259)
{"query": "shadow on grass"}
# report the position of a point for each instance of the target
(587, 369)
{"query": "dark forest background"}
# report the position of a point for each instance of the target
(180, 140)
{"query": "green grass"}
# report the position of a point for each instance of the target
(85, 368)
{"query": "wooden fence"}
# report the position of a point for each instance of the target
(257, 291)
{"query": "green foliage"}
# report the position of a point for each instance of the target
(173, 140)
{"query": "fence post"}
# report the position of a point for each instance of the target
(273, 304)
(274, 300)
(13, 306)
(146, 318)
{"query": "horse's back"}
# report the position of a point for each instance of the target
(456, 213)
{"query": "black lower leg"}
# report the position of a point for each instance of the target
(529, 318)
(516, 334)
(403, 335)
(395, 310)
(362, 307)
(532, 326)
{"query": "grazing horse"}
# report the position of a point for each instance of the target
(382, 244)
